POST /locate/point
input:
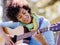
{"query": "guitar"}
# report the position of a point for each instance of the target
(16, 31)
(23, 35)
(55, 27)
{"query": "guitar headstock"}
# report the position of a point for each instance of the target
(55, 27)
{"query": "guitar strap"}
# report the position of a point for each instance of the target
(40, 22)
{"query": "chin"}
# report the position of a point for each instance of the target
(28, 22)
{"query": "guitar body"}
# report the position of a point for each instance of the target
(11, 32)
(21, 33)
(16, 31)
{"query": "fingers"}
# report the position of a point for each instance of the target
(9, 41)
(38, 32)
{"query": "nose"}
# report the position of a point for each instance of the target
(25, 16)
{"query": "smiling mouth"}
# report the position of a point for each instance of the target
(26, 19)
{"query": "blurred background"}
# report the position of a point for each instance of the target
(50, 9)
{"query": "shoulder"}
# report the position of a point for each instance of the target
(45, 22)
(10, 24)
(44, 19)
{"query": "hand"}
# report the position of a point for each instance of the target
(8, 41)
(39, 37)
(5, 37)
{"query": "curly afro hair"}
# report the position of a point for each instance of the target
(12, 12)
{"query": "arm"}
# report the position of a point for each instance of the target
(7, 39)
(7, 24)
(10, 24)
(39, 37)
(49, 36)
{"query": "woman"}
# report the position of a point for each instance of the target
(22, 16)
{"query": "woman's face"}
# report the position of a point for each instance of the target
(24, 16)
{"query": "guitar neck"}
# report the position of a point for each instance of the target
(25, 35)
(52, 28)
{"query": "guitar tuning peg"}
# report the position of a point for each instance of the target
(58, 22)
(53, 25)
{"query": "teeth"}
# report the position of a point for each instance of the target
(26, 18)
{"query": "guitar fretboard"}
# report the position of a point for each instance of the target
(25, 35)
(52, 28)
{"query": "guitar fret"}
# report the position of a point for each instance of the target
(44, 29)
(25, 35)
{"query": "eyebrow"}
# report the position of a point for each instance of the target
(26, 7)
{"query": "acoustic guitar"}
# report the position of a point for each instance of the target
(19, 31)
(54, 28)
